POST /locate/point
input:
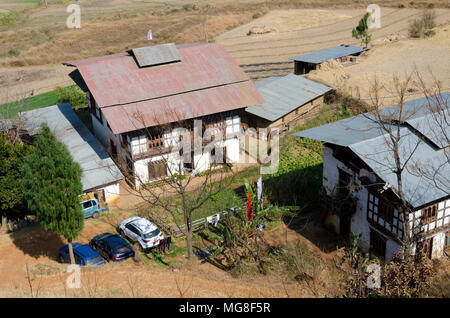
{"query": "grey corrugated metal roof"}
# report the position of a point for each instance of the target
(359, 128)
(364, 137)
(344, 132)
(426, 125)
(329, 54)
(98, 168)
(417, 189)
(158, 54)
(285, 94)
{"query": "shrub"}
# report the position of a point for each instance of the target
(428, 19)
(13, 52)
(407, 278)
(419, 28)
(415, 29)
(71, 94)
(7, 19)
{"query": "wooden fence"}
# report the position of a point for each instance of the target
(174, 231)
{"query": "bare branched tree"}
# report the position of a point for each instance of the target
(10, 106)
(399, 153)
(438, 122)
(174, 186)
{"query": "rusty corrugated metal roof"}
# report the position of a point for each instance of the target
(206, 81)
(117, 79)
(155, 55)
(174, 108)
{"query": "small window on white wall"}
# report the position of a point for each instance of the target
(233, 124)
(139, 145)
(236, 124)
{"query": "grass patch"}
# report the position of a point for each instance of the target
(71, 94)
(7, 19)
(10, 110)
(169, 258)
(299, 177)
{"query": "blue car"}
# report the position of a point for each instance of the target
(84, 255)
(112, 247)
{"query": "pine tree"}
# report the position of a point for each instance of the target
(361, 31)
(52, 185)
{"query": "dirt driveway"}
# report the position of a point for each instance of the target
(34, 251)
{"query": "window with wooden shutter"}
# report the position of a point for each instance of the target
(429, 214)
(157, 170)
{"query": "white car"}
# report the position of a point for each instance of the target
(142, 231)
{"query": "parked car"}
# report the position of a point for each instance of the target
(112, 247)
(142, 231)
(91, 208)
(84, 255)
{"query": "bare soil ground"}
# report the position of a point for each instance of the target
(304, 31)
(34, 251)
(385, 60)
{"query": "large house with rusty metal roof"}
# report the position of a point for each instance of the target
(360, 185)
(136, 98)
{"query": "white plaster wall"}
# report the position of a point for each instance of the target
(141, 169)
(438, 244)
(232, 150)
(447, 212)
(359, 223)
(112, 192)
(99, 131)
(103, 134)
(330, 182)
(330, 172)
(202, 161)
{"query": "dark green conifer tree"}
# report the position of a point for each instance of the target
(52, 186)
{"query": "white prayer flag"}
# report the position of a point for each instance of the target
(149, 34)
(259, 188)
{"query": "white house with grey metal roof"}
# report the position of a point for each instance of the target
(361, 188)
(99, 172)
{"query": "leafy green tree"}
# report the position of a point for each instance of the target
(52, 186)
(11, 195)
(361, 31)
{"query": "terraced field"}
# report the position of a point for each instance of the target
(268, 54)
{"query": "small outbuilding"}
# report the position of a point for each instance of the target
(289, 101)
(305, 63)
(100, 174)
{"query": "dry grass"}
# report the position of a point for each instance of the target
(32, 42)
